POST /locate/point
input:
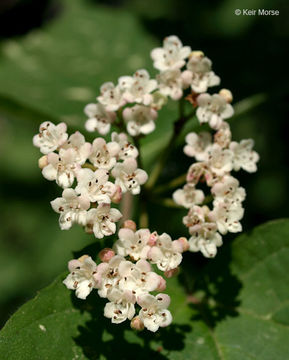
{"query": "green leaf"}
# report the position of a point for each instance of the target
(236, 308)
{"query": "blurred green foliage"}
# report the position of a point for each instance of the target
(50, 71)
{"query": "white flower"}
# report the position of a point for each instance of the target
(82, 149)
(50, 136)
(134, 244)
(196, 172)
(137, 88)
(154, 313)
(195, 217)
(188, 196)
(172, 82)
(227, 217)
(140, 119)
(102, 220)
(95, 185)
(72, 208)
(81, 277)
(128, 177)
(138, 278)
(213, 109)
(166, 254)
(126, 148)
(206, 242)
(220, 160)
(197, 145)
(172, 55)
(103, 155)
(223, 136)
(228, 190)
(111, 97)
(107, 276)
(244, 157)
(99, 119)
(121, 305)
(202, 76)
(61, 167)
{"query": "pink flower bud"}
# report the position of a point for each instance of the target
(152, 239)
(184, 242)
(42, 162)
(171, 273)
(117, 196)
(137, 324)
(129, 224)
(162, 284)
(106, 254)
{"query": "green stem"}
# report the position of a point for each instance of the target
(143, 218)
(178, 126)
(171, 184)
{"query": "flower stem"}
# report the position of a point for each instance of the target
(178, 126)
(171, 184)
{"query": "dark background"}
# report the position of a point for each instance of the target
(249, 53)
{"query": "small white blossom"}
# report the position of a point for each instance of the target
(82, 149)
(166, 254)
(102, 220)
(138, 88)
(228, 190)
(196, 172)
(121, 305)
(195, 217)
(220, 160)
(61, 167)
(223, 136)
(81, 277)
(134, 244)
(244, 157)
(98, 118)
(95, 185)
(140, 119)
(138, 278)
(72, 208)
(213, 109)
(172, 55)
(111, 97)
(128, 176)
(103, 155)
(154, 313)
(126, 148)
(172, 82)
(107, 276)
(188, 196)
(50, 136)
(202, 75)
(227, 217)
(198, 145)
(206, 242)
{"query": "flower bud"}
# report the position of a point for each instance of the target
(106, 254)
(42, 162)
(129, 224)
(152, 239)
(116, 198)
(227, 95)
(137, 324)
(184, 242)
(171, 273)
(197, 53)
(162, 284)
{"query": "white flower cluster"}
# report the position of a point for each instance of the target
(126, 283)
(215, 160)
(148, 95)
(71, 160)
(95, 175)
